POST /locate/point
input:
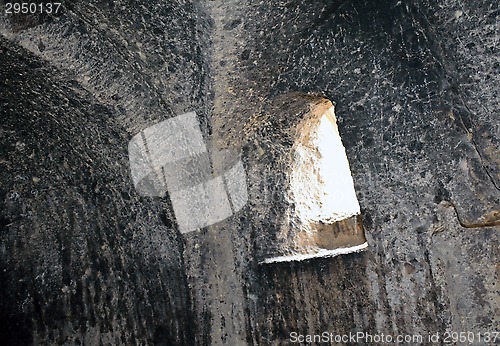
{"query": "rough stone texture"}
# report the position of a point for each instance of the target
(85, 260)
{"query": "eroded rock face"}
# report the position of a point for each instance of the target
(85, 259)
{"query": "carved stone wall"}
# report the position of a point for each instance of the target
(85, 259)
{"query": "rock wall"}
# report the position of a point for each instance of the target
(86, 260)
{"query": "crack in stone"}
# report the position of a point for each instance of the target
(464, 224)
(473, 142)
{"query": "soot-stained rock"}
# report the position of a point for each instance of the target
(84, 259)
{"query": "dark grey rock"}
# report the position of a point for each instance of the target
(84, 259)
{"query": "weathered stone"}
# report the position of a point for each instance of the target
(85, 259)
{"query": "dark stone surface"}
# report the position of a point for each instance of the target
(85, 260)
(82, 255)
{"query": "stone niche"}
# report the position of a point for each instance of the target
(320, 212)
